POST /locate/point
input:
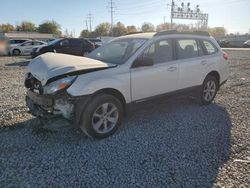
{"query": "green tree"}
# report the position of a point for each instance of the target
(85, 33)
(131, 29)
(119, 29)
(51, 27)
(102, 29)
(6, 28)
(147, 27)
(26, 26)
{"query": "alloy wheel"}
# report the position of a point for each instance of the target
(105, 118)
(209, 90)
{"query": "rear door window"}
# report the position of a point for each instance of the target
(37, 43)
(27, 44)
(187, 48)
(74, 42)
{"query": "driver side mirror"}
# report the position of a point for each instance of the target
(143, 62)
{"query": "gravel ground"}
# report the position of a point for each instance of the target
(172, 144)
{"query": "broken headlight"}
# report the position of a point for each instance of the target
(58, 85)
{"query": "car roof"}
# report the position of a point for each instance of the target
(93, 39)
(150, 35)
(19, 39)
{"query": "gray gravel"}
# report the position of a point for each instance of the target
(173, 144)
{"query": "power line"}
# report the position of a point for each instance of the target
(141, 6)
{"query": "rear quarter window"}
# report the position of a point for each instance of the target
(209, 47)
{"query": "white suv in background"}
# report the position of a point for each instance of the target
(26, 48)
(95, 92)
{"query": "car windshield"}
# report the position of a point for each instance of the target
(117, 51)
(53, 42)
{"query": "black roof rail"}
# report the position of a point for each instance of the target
(131, 33)
(169, 32)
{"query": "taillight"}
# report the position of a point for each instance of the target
(225, 56)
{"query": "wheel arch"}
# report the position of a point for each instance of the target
(215, 74)
(114, 92)
(12, 51)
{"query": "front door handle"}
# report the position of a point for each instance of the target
(172, 69)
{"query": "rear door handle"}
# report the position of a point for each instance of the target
(204, 62)
(172, 69)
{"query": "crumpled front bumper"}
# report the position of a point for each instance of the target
(47, 106)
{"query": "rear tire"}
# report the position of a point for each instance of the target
(208, 90)
(16, 52)
(102, 116)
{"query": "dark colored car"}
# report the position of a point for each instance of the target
(71, 46)
(97, 42)
(246, 44)
(224, 43)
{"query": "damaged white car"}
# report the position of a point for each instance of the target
(95, 92)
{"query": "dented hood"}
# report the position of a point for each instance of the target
(50, 65)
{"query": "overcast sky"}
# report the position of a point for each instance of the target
(234, 15)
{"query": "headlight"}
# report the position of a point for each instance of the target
(59, 85)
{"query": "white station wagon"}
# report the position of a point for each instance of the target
(95, 92)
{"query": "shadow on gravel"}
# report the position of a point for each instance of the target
(19, 64)
(173, 144)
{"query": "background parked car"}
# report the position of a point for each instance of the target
(71, 46)
(16, 42)
(246, 44)
(224, 43)
(97, 42)
(26, 47)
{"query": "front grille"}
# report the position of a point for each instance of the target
(33, 84)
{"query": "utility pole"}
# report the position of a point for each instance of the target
(86, 21)
(172, 10)
(89, 18)
(111, 7)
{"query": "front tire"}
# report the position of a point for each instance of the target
(209, 90)
(102, 116)
(16, 52)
